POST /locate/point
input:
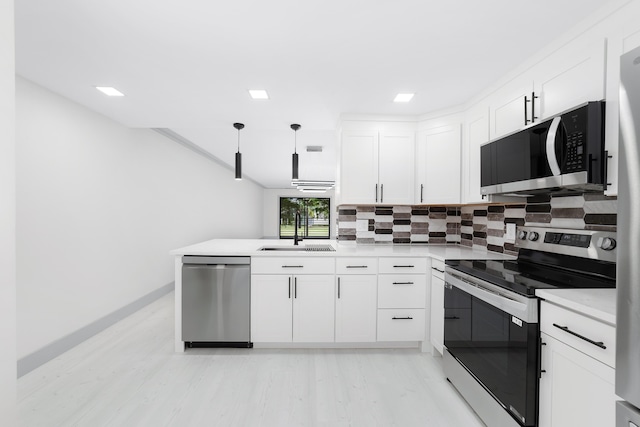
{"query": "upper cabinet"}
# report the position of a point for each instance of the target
(438, 156)
(571, 75)
(476, 133)
(376, 163)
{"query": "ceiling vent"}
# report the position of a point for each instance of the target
(314, 148)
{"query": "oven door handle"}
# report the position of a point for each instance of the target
(519, 306)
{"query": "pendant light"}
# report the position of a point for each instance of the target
(294, 158)
(238, 154)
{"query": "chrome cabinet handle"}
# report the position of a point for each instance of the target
(357, 266)
(582, 337)
(376, 193)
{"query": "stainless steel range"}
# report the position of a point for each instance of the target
(492, 334)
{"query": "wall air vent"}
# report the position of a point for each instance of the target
(314, 148)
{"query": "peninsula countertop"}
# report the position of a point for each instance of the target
(251, 247)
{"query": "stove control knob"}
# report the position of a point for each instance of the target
(522, 235)
(533, 236)
(608, 244)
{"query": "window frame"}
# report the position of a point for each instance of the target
(303, 218)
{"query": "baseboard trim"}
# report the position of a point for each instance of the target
(49, 352)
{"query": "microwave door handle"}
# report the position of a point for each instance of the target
(551, 146)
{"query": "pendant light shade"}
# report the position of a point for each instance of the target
(238, 154)
(294, 157)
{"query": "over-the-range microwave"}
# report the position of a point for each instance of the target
(563, 154)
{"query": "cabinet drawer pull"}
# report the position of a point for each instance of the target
(404, 266)
(403, 283)
(437, 269)
(295, 287)
(357, 266)
(292, 266)
(566, 329)
(289, 287)
(402, 318)
(338, 288)
(451, 318)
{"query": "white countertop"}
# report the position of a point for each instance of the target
(250, 247)
(597, 303)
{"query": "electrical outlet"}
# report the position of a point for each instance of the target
(510, 235)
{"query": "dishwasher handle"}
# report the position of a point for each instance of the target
(216, 260)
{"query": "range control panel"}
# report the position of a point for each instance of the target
(582, 243)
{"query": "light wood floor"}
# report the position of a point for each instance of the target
(129, 375)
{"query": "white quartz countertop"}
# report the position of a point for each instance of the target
(250, 247)
(597, 303)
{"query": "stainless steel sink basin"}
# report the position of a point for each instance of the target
(307, 248)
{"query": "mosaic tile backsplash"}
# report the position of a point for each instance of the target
(478, 226)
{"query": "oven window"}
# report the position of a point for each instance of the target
(499, 350)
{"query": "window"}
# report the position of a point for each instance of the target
(314, 217)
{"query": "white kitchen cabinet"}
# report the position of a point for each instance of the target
(376, 166)
(358, 179)
(313, 308)
(438, 155)
(577, 380)
(437, 305)
(402, 290)
(476, 134)
(575, 389)
(297, 306)
(510, 106)
(271, 308)
(569, 77)
(356, 308)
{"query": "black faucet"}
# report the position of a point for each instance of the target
(295, 230)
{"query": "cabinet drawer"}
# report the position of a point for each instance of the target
(356, 265)
(437, 268)
(584, 326)
(401, 325)
(402, 265)
(402, 291)
(292, 265)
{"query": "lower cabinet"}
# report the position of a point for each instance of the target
(401, 324)
(356, 308)
(577, 378)
(292, 308)
(437, 305)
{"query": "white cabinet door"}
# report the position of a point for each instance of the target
(477, 134)
(569, 77)
(575, 389)
(437, 313)
(359, 167)
(313, 308)
(438, 164)
(507, 106)
(271, 308)
(356, 308)
(396, 167)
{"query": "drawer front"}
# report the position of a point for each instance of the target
(292, 265)
(357, 265)
(402, 265)
(401, 325)
(437, 268)
(568, 323)
(402, 291)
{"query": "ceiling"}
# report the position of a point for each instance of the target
(187, 65)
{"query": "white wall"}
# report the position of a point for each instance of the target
(7, 218)
(271, 214)
(99, 206)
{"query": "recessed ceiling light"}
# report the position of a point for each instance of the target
(258, 94)
(110, 91)
(403, 97)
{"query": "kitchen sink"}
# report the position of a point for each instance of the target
(307, 248)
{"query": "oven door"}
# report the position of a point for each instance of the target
(495, 336)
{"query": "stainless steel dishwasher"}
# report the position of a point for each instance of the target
(216, 301)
